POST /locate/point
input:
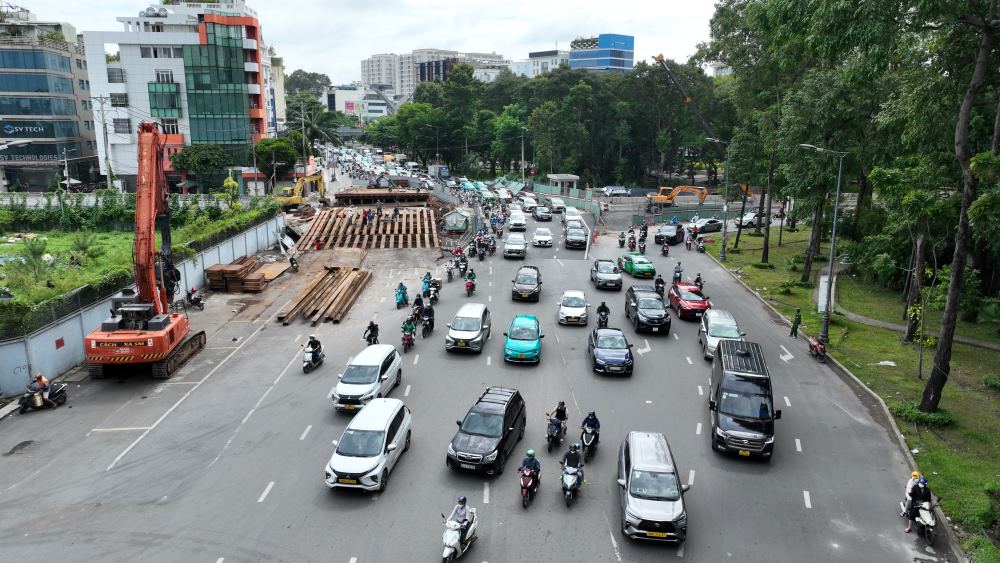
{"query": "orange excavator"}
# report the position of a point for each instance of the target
(142, 331)
(667, 195)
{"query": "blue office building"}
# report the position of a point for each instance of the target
(608, 52)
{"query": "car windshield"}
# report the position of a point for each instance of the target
(612, 341)
(719, 330)
(650, 303)
(639, 261)
(667, 229)
(742, 398)
(574, 301)
(691, 296)
(359, 374)
(513, 207)
(605, 268)
(543, 233)
(654, 485)
(525, 279)
(523, 333)
(483, 424)
(361, 443)
(541, 209)
(575, 233)
(465, 324)
(515, 239)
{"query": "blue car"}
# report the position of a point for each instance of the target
(610, 352)
(524, 340)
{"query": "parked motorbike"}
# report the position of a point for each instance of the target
(588, 439)
(312, 359)
(32, 398)
(925, 521)
(407, 341)
(553, 434)
(470, 288)
(427, 326)
(454, 548)
(817, 349)
(529, 485)
(195, 300)
(602, 320)
(570, 483)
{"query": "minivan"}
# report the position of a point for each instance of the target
(370, 446)
(370, 375)
(652, 496)
(717, 324)
(470, 328)
(740, 401)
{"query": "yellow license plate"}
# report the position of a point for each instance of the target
(521, 356)
(347, 481)
(350, 407)
(525, 295)
(461, 344)
(656, 534)
(745, 453)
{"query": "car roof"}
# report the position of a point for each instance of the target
(515, 235)
(546, 229)
(720, 316)
(495, 398)
(688, 286)
(649, 452)
(542, 207)
(607, 331)
(376, 415)
(532, 269)
(573, 293)
(471, 310)
(744, 358)
(645, 289)
(372, 355)
(524, 320)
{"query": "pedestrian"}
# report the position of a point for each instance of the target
(364, 217)
(350, 214)
(795, 324)
(318, 244)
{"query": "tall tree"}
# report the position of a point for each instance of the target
(206, 162)
(311, 83)
(275, 157)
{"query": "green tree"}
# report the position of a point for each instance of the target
(311, 83)
(275, 157)
(429, 93)
(206, 161)
(307, 114)
(32, 265)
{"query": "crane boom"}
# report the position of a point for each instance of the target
(693, 104)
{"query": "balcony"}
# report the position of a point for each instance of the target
(253, 89)
(250, 44)
(251, 67)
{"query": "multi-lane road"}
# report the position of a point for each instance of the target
(225, 462)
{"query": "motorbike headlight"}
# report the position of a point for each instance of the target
(491, 458)
(451, 450)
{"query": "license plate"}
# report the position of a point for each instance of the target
(521, 356)
(347, 481)
(656, 329)
(656, 534)
(460, 344)
(572, 319)
(524, 295)
(466, 466)
(745, 453)
(350, 407)
(697, 314)
(614, 368)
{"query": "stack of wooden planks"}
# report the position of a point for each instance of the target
(236, 277)
(414, 228)
(328, 296)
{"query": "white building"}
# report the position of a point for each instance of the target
(521, 68)
(200, 70)
(405, 67)
(278, 80)
(719, 69)
(381, 69)
(544, 61)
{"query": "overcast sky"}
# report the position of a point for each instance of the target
(332, 36)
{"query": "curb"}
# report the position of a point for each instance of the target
(852, 380)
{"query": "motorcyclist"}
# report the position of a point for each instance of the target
(573, 458)
(42, 383)
(371, 333)
(603, 309)
(592, 421)
(418, 303)
(401, 290)
(408, 326)
(698, 281)
(659, 284)
(471, 276)
(429, 315)
(678, 270)
(530, 462)
(460, 514)
(910, 483)
(621, 238)
(313, 343)
(560, 413)
(918, 495)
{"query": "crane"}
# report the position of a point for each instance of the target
(141, 330)
(693, 104)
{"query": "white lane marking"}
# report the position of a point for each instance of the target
(645, 348)
(787, 402)
(688, 358)
(297, 338)
(486, 492)
(220, 560)
(805, 497)
(332, 391)
(305, 432)
(407, 392)
(491, 270)
(697, 429)
(490, 298)
(678, 338)
(374, 315)
(557, 337)
(193, 389)
(787, 355)
(121, 429)
(649, 402)
(560, 263)
(416, 359)
(267, 490)
(700, 391)
(490, 284)
(798, 445)
(691, 477)
(489, 361)
(353, 560)
(614, 544)
(680, 551)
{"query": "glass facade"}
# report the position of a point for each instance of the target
(610, 53)
(36, 106)
(217, 95)
(35, 83)
(38, 152)
(34, 59)
(36, 128)
(165, 99)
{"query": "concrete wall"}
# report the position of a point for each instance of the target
(59, 346)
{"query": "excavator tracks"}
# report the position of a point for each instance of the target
(168, 366)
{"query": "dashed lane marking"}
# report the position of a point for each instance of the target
(297, 338)
(486, 492)
(700, 391)
(798, 445)
(407, 392)
(688, 358)
(267, 490)
(490, 298)
(805, 497)
(489, 361)
(649, 402)
(677, 338)
(122, 429)
(416, 359)
(787, 402)
(353, 560)
(306, 432)
(697, 429)
(691, 477)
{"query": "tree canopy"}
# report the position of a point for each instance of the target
(302, 81)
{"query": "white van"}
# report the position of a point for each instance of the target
(370, 446)
(370, 375)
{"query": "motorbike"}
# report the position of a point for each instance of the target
(701, 246)
(631, 245)
(371, 339)
(700, 283)
(665, 249)
(32, 398)
(677, 276)
(472, 250)
(432, 293)
(402, 299)
(658, 286)
(553, 434)
(427, 326)
(570, 483)
(602, 320)
(588, 439)
(407, 341)
(529, 485)
(925, 521)
(312, 359)
(463, 266)
(687, 243)
(817, 349)
(195, 300)
(482, 255)
(454, 548)
(642, 247)
(294, 263)
(499, 232)
(493, 248)
(621, 240)
(470, 288)
(450, 271)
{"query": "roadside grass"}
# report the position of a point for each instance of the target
(961, 460)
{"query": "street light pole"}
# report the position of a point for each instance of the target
(522, 156)
(824, 334)
(725, 202)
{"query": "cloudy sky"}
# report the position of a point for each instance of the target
(332, 36)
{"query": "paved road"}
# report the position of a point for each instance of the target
(225, 462)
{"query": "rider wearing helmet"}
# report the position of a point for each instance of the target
(918, 495)
(573, 458)
(460, 514)
(594, 423)
(603, 308)
(371, 332)
(313, 343)
(530, 462)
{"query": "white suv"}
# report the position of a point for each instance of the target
(370, 375)
(370, 446)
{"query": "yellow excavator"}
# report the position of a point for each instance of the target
(667, 195)
(292, 197)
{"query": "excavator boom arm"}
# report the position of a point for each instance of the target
(153, 270)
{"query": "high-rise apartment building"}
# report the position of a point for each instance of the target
(608, 52)
(201, 70)
(45, 117)
(280, 107)
(381, 69)
(406, 68)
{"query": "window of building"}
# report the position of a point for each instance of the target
(178, 52)
(36, 106)
(116, 75)
(86, 125)
(156, 28)
(34, 59)
(170, 126)
(164, 76)
(87, 87)
(146, 52)
(119, 100)
(83, 85)
(79, 64)
(123, 125)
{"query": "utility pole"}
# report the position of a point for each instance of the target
(66, 168)
(302, 118)
(522, 155)
(104, 137)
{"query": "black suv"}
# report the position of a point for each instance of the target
(741, 401)
(644, 307)
(489, 432)
(670, 234)
(527, 284)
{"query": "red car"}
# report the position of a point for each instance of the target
(688, 300)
